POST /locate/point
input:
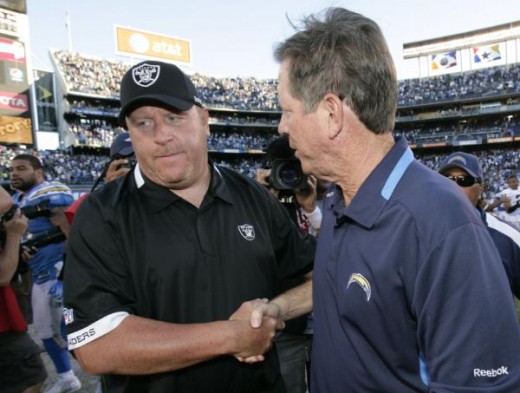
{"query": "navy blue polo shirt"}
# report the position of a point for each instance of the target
(409, 291)
(137, 248)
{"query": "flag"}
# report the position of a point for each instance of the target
(486, 54)
(444, 60)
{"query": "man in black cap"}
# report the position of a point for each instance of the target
(169, 265)
(465, 170)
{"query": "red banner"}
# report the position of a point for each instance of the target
(14, 101)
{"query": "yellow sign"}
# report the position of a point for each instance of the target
(142, 44)
(15, 130)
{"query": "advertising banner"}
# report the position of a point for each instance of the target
(146, 45)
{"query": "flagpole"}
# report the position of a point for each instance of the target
(67, 26)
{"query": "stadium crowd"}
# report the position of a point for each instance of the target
(83, 168)
(96, 76)
(92, 121)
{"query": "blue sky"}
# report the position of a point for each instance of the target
(236, 37)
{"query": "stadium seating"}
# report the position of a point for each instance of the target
(478, 111)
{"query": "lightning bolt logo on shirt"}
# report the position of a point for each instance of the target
(359, 279)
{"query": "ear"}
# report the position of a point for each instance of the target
(204, 116)
(39, 171)
(333, 110)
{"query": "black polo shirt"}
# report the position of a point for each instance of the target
(137, 248)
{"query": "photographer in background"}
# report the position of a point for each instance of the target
(21, 368)
(297, 192)
(45, 258)
(122, 159)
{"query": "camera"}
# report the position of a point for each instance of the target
(287, 174)
(53, 235)
(130, 164)
(40, 210)
(286, 169)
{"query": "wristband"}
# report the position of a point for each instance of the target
(8, 215)
(314, 217)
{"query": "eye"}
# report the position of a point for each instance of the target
(171, 118)
(143, 123)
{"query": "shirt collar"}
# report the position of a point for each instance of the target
(377, 189)
(158, 197)
(482, 215)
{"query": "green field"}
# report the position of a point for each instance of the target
(518, 308)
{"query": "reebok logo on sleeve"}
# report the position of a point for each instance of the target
(477, 372)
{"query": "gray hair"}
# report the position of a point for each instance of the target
(345, 54)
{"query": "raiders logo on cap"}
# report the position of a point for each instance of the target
(146, 74)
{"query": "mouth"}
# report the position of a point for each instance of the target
(167, 156)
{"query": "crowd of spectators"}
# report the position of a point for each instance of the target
(83, 168)
(92, 121)
(90, 75)
(93, 133)
(100, 78)
(493, 81)
(450, 131)
(60, 165)
(97, 76)
(239, 141)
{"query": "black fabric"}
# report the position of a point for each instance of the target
(150, 253)
(20, 363)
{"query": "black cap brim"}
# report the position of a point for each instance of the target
(156, 99)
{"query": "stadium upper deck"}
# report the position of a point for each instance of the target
(85, 75)
(458, 109)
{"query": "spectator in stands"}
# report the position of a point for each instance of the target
(399, 286)
(175, 248)
(509, 198)
(464, 169)
(21, 368)
(27, 178)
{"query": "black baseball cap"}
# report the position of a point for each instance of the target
(156, 83)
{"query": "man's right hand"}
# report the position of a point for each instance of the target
(253, 342)
(17, 225)
(117, 168)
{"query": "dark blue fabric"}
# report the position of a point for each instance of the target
(415, 274)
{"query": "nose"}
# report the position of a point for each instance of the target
(162, 132)
(282, 126)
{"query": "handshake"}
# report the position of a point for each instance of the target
(255, 325)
